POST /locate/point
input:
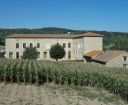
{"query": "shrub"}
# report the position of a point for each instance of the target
(30, 53)
(57, 52)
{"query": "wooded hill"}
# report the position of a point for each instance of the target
(112, 40)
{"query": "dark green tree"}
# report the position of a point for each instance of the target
(30, 53)
(121, 43)
(57, 52)
(2, 54)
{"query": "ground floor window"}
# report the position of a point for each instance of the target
(38, 54)
(17, 55)
(10, 54)
(69, 54)
(45, 54)
(125, 65)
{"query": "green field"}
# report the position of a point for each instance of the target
(65, 73)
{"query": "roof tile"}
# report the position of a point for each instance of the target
(107, 55)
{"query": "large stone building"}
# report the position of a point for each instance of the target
(75, 45)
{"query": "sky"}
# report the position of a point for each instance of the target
(101, 15)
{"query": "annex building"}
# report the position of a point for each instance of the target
(109, 58)
(75, 45)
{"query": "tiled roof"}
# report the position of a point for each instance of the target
(107, 55)
(92, 53)
(66, 36)
(90, 34)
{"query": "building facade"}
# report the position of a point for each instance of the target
(75, 45)
(109, 58)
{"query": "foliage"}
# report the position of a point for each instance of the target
(2, 54)
(57, 52)
(68, 73)
(30, 53)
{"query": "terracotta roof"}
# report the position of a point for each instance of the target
(90, 34)
(92, 53)
(107, 55)
(66, 36)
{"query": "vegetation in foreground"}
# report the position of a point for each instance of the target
(68, 73)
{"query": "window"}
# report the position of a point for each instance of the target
(69, 45)
(64, 45)
(125, 58)
(10, 54)
(31, 44)
(24, 45)
(38, 45)
(17, 45)
(69, 54)
(17, 55)
(124, 65)
(45, 55)
(38, 54)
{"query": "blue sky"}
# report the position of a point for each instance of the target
(109, 15)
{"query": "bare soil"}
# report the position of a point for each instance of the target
(50, 94)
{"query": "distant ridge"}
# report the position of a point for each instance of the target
(110, 38)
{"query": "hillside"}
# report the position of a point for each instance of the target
(112, 40)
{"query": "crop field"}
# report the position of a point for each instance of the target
(65, 73)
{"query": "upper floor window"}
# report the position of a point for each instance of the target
(24, 45)
(64, 45)
(69, 45)
(31, 44)
(17, 45)
(38, 45)
(125, 58)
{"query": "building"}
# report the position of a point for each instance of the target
(75, 45)
(110, 58)
(2, 48)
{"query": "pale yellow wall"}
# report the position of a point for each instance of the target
(93, 43)
(118, 61)
(45, 45)
(79, 46)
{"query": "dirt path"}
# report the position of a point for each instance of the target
(20, 94)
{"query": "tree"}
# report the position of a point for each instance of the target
(57, 52)
(2, 54)
(30, 53)
(121, 43)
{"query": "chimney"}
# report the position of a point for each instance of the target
(69, 33)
